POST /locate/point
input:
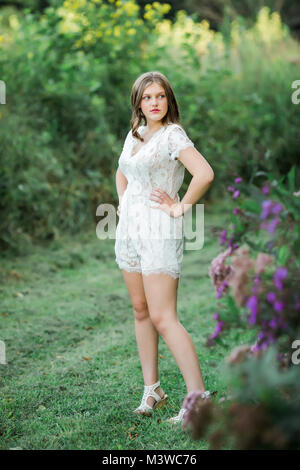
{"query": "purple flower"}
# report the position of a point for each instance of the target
(221, 289)
(272, 225)
(270, 207)
(266, 208)
(252, 305)
(271, 297)
(216, 316)
(223, 236)
(276, 208)
(278, 306)
(230, 188)
(236, 194)
(274, 322)
(281, 273)
(217, 330)
(231, 244)
(238, 179)
(236, 210)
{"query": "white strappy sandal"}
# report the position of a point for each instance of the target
(146, 409)
(179, 417)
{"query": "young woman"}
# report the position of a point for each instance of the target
(150, 174)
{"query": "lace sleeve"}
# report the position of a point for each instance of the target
(126, 142)
(178, 140)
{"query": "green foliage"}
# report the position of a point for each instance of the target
(69, 73)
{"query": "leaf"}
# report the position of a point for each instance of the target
(232, 305)
(282, 255)
(251, 205)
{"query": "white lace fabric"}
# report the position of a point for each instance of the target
(148, 240)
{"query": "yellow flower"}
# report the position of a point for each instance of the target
(130, 8)
(117, 31)
(29, 55)
(79, 4)
(131, 31)
(148, 15)
(166, 7)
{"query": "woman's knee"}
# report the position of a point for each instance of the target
(163, 320)
(140, 309)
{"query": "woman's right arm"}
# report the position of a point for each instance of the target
(121, 180)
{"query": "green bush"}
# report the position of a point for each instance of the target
(69, 73)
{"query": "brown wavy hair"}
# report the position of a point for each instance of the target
(147, 78)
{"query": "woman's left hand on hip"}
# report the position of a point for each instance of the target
(166, 203)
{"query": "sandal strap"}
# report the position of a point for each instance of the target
(180, 415)
(152, 387)
(205, 394)
(149, 392)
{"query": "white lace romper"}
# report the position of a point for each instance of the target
(148, 240)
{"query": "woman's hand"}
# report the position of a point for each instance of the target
(167, 204)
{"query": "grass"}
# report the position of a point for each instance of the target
(73, 374)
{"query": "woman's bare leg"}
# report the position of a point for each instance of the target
(145, 332)
(161, 296)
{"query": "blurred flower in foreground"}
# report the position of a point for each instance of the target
(218, 271)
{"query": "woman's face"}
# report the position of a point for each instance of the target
(154, 97)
